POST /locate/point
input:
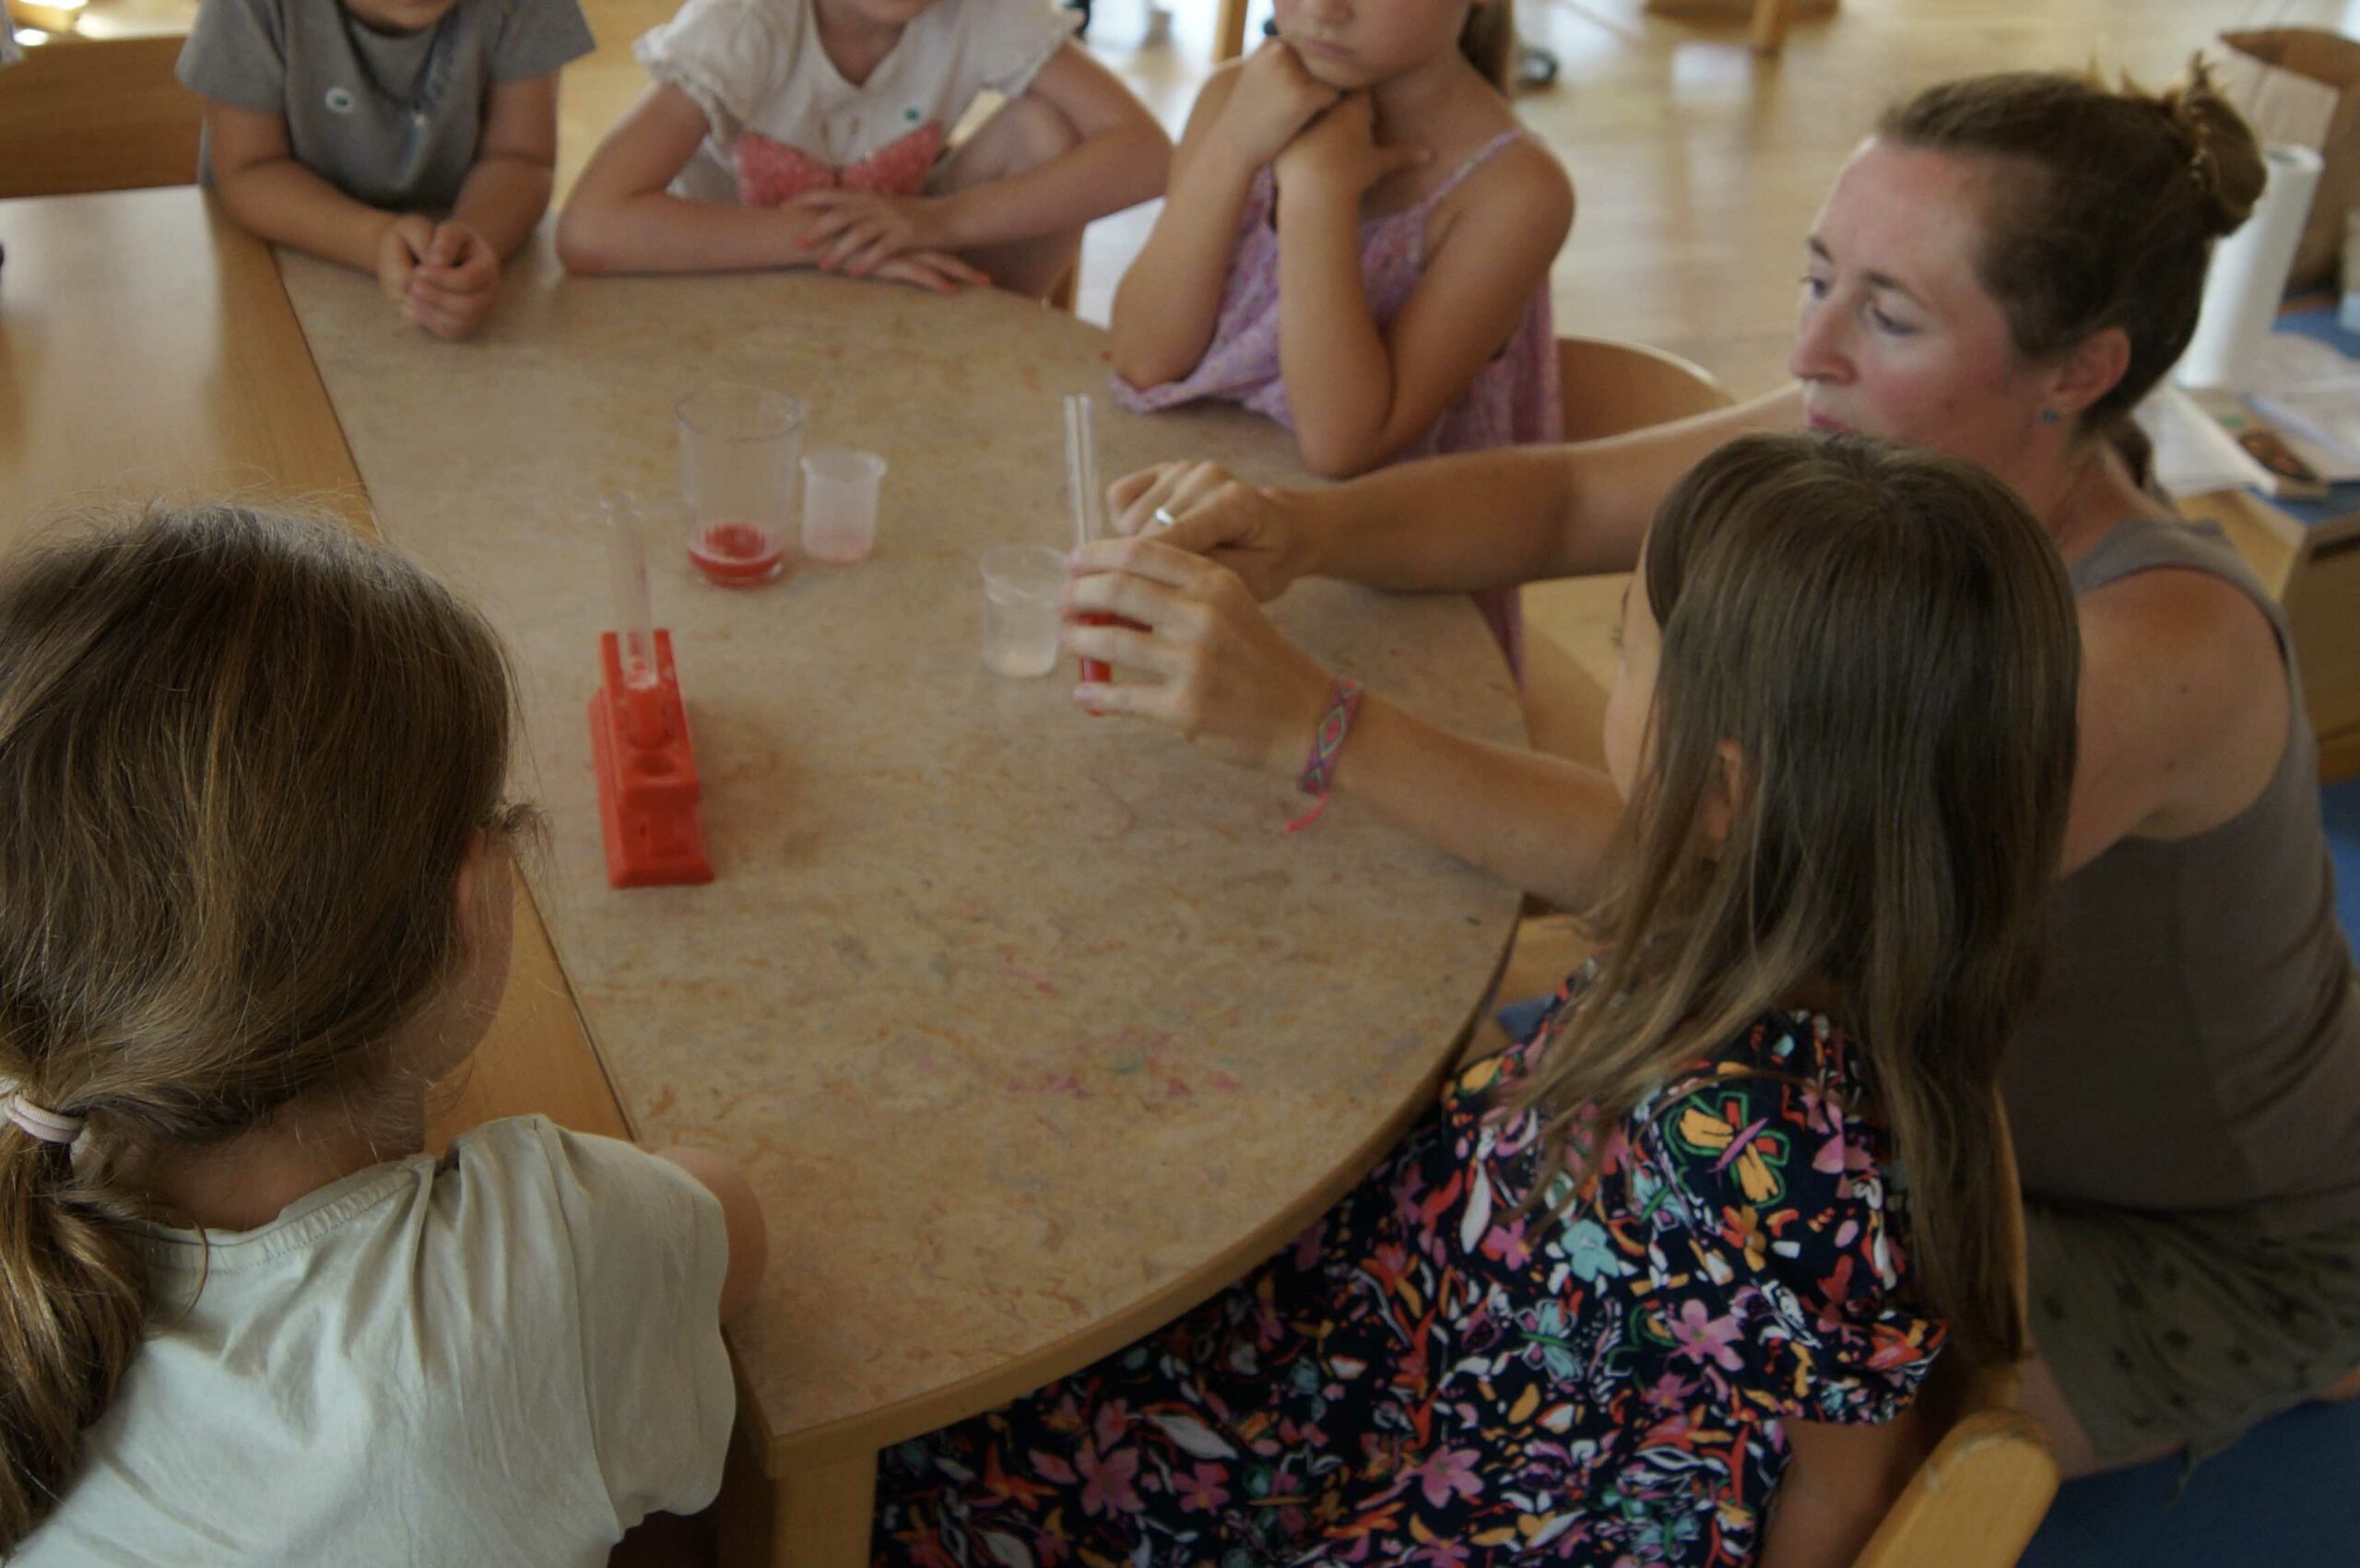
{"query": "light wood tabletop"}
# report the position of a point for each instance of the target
(1031, 1028)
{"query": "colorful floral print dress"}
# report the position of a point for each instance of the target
(1426, 1377)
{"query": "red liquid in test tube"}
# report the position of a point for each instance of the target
(1088, 507)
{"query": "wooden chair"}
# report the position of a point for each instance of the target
(1766, 19)
(1610, 389)
(97, 114)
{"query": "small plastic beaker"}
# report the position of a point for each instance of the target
(739, 446)
(1020, 587)
(840, 504)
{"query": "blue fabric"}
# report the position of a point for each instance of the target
(1520, 1019)
(2284, 1494)
(2340, 804)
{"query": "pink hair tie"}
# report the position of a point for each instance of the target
(40, 1123)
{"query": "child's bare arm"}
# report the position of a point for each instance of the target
(1122, 159)
(1359, 393)
(621, 217)
(266, 189)
(1838, 1485)
(1169, 301)
(508, 187)
(741, 1217)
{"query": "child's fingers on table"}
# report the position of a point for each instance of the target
(920, 271)
(474, 272)
(849, 244)
(878, 252)
(425, 288)
(450, 322)
(958, 268)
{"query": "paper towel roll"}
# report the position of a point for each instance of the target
(2248, 275)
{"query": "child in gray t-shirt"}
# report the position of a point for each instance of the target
(348, 127)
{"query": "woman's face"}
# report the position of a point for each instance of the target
(1897, 335)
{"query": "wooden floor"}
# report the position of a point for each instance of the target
(1697, 167)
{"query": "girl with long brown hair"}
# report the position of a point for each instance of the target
(2000, 272)
(1697, 1241)
(255, 896)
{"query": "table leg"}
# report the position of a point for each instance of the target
(815, 1518)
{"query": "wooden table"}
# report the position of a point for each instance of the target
(1031, 1028)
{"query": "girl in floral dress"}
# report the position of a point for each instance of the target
(1642, 1273)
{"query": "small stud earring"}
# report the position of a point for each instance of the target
(2050, 416)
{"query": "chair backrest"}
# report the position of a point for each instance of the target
(1610, 388)
(97, 114)
(1977, 1499)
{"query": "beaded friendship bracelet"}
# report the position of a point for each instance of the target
(1318, 774)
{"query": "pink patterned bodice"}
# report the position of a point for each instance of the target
(773, 173)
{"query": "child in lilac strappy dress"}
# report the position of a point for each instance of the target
(1514, 398)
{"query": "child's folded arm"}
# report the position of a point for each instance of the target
(621, 217)
(258, 179)
(1359, 393)
(1123, 158)
(507, 188)
(1169, 300)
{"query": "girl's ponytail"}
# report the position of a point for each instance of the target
(73, 1301)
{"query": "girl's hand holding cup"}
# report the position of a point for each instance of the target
(1224, 677)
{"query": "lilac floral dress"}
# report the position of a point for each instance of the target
(1427, 1376)
(1513, 400)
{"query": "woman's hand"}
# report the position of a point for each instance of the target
(1228, 681)
(1257, 534)
(858, 231)
(1274, 99)
(1339, 151)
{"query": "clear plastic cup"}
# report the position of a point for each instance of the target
(840, 504)
(739, 446)
(1020, 587)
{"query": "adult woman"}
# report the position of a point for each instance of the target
(2000, 272)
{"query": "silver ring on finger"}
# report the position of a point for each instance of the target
(1164, 518)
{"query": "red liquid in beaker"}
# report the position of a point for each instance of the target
(735, 554)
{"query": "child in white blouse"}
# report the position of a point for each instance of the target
(785, 133)
(256, 872)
